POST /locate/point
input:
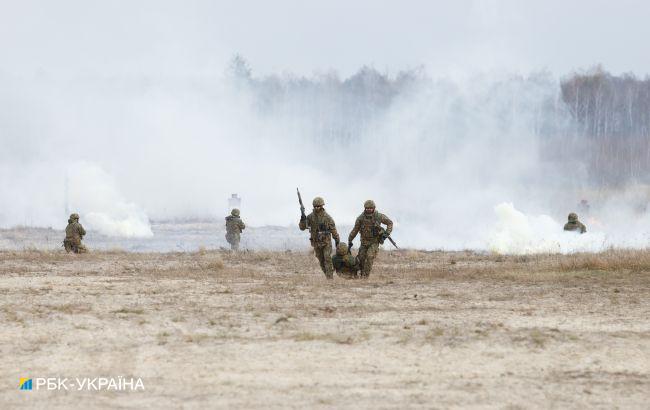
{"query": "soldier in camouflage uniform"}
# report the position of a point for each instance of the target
(372, 234)
(322, 229)
(345, 265)
(234, 228)
(574, 224)
(74, 233)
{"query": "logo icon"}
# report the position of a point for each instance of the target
(25, 383)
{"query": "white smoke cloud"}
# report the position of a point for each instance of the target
(437, 160)
(94, 195)
(134, 94)
(519, 234)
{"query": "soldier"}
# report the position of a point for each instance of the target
(372, 234)
(574, 224)
(234, 228)
(74, 233)
(322, 229)
(345, 265)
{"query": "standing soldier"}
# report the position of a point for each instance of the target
(234, 228)
(574, 224)
(74, 233)
(345, 265)
(372, 234)
(322, 229)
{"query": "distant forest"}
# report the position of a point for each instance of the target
(595, 119)
(612, 117)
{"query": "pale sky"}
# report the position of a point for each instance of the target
(154, 37)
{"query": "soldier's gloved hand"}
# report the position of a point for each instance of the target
(303, 218)
(336, 242)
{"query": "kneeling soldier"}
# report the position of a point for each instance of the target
(74, 233)
(322, 229)
(574, 224)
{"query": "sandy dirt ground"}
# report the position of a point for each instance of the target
(213, 329)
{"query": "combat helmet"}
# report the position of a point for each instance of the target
(341, 248)
(318, 201)
(234, 212)
(573, 217)
(74, 217)
(369, 204)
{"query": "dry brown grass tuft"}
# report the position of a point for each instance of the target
(329, 337)
(115, 251)
(130, 310)
(68, 308)
(11, 315)
(196, 338)
(538, 338)
(214, 263)
(612, 260)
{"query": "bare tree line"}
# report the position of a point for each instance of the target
(596, 126)
(612, 121)
(324, 106)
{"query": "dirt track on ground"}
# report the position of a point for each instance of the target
(266, 330)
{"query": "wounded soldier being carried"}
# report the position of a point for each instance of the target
(345, 265)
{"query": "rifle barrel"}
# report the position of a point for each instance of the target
(302, 207)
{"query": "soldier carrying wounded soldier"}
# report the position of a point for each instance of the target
(321, 229)
(372, 235)
(74, 233)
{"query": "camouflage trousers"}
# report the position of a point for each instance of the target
(324, 256)
(233, 240)
(72, 246)
(367, 254)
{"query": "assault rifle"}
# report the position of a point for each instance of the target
(302, 207)
(390, 239)
(384, 236)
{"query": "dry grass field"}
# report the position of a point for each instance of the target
(266, 330)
